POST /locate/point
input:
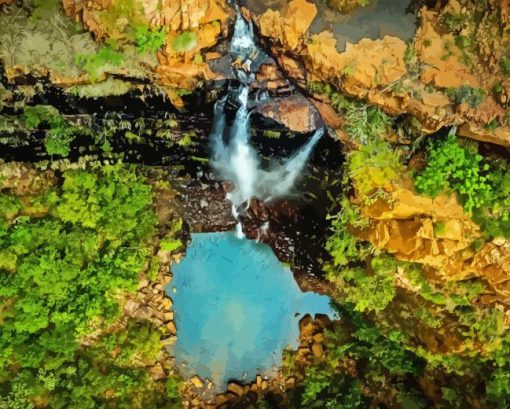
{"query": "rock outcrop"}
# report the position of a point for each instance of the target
(190, 26)
(436, 78)
(439, 235)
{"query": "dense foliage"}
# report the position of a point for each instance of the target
(467, 94)
(60, 134)
(483, 187)
(96, 63)
(381, 363)
(149, 40)
(62, 280)
(404, 330)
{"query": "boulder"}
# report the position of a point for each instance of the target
(168, 341)
(130, 307)
(295, 112)
(157, 372)
(235, 388)
(170, 326)
(317, 350)
(197, 382)
(143, 313)
(306, 327)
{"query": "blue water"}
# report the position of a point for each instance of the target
(235, 308)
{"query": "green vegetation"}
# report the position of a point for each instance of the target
(467, 94)
(271, 134)
(372, 167)
(96, 64)
(381, 362)
(110, 86)
(402, 326)
(342, 245)
(458, 168)
(149, 40)
(452, 22)
(483, 187)
(63, 281)
(120, 18)
(411, 59)
(363, 122)
(505, 66)
(347, 6)
(38, 35)
(60, 134)
(372, 289)
(188, 140)
(185, 42)
(325, 388)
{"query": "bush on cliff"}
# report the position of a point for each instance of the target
(483, 187)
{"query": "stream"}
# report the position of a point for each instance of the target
(237, 307)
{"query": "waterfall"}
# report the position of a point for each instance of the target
(233, 157)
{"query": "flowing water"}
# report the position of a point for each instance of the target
(233, 157)
(236, 308)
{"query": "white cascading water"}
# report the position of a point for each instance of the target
(233, 158)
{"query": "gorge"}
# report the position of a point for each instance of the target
(254, 204)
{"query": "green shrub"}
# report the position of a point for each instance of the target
(317, 87)
(172, 391)
(458, 168)
(65, 281)
(483, 187)
(498, 388)
(505, 66)
(452, 22)
(119, 18)
(61, 134)
(373, 350)
(365, 123)
(373, 166)
(95, 64)
(342, 245)
(149, 40)
(371, 290)
(323, 388)
(411, 59)
(467, 94)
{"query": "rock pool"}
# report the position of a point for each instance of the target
(236, 308)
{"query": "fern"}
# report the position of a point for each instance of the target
(149, 40)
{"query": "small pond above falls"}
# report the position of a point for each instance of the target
(236, 308)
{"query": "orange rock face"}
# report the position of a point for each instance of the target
(290, 27)
(204, 19)
(407, 229)
(293, 112)
(377, 70)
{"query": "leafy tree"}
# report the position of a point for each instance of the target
(63, 282)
